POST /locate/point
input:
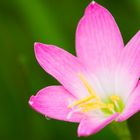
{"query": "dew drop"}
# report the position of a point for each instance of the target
(47, 118)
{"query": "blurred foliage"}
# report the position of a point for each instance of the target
(23, 22)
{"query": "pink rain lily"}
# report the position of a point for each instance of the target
(100, 84)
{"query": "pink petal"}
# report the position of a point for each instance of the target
(61, 65)
(98, 39)
(128, 71)
(53, 102)
(90, 126)
(132, 105)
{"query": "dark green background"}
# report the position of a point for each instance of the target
(23, 22)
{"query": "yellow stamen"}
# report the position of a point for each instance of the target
(92, 101)
(92, 106)
(93, 96)
(110, 107)
(81, 101)
(86, 84)
(114, 98)
(89, 106)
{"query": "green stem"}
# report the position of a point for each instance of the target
(134, 125)
(121, 130)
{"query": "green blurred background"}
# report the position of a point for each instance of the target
(23, 22)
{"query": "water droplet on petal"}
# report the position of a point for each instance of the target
(47, 118)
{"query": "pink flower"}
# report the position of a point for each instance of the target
(98, 86)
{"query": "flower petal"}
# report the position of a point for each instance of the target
(63, 66)
(53, 102)
(128, 71)
(132, 105)
(90, 125)
(98, 39)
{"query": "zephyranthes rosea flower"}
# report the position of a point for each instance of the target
(98, 86)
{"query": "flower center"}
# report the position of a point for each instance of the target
(92, 102)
